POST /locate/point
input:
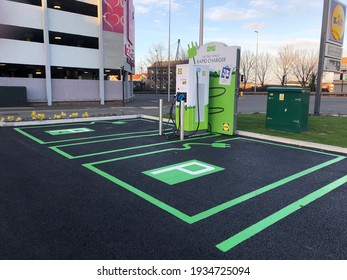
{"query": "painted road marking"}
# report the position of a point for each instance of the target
(219, 208)
(243, 198)
(69, 156)
(182, 172)
(254, 229)
(238, 238)
(24, 131)
(69, 131)
(84, 138)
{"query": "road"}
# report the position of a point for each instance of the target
(148, 104)
(329, 105)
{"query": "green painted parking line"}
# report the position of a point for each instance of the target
(194, 167)
(182, 172)
(249, 232)
(58, 149)
(162, 205)
(40, 141)
(255, 193)
(69, 156)
(288, 146)
(139, 193)
(37, 140)
(54, 125)
(219, 208)
(83, 138)
(69, 131)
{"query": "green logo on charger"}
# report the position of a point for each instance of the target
(211, 48)
(182, 172)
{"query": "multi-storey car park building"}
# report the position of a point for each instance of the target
(67, 50)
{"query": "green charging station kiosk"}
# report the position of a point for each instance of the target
(219, 106)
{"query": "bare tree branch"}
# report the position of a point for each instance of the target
(283, 63)
(156, 54)
(247, 63)
(305, 66)
(264, 67)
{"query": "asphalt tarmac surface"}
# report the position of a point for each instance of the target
(117, 190)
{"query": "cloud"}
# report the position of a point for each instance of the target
(264, 4)
(225, 13)
(300, 7)
(255, 25)
(157, 22)
(141, 9)
(303, 43)
(154, 4)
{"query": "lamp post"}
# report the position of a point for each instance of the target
(169, 57)
(201, 33)
(156, 72)
(256, 64)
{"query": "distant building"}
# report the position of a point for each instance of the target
(139, 81)
(158, 75)
(67, 50)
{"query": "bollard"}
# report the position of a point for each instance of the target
(160, 116)
(182, 120)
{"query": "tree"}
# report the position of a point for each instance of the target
(283, 63)
(156, 56)
(264, 67)
(247, 63)
(305, 67)
(140, 67)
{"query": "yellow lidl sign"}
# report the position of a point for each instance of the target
(336, 27)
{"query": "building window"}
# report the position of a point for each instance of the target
(21, 33)
(72, 6)
(66, 39)
(59, 72)
(113, 74)
(29, 2)
(22, 71)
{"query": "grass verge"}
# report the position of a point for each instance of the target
(329, 130)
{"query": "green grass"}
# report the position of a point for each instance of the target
(328, 130)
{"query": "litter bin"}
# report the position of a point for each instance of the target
(287, 109)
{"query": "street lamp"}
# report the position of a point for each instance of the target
(256, 65)
(169, 57)
(156, 72)
(201, 33)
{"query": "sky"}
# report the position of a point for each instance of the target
(233, 22)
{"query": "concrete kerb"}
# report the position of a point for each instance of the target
(62, 121)
(282, 140)
(240, 133)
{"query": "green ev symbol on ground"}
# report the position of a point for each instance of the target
(182, 172)
(69, 131)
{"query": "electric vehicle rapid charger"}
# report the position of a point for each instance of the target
(192, 87)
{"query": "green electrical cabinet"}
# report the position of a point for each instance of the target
(287, 109)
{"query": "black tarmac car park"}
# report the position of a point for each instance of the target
(115, 189)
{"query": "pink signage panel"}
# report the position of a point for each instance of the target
(113, 15)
